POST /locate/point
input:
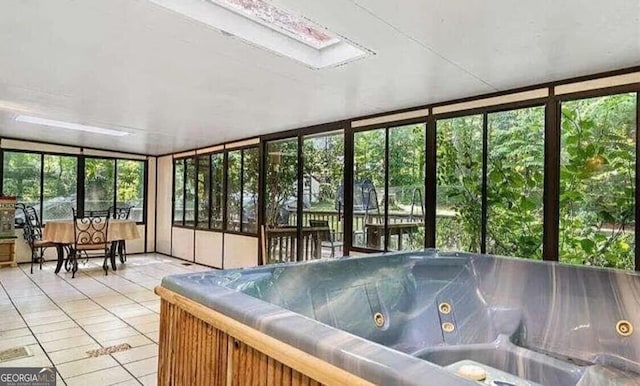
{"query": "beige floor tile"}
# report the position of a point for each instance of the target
(17, 342)
(143, 367)
(48, 320)
(97, 319)
(67, 343)
(133, 341)
(149, 380)
(13, 324)
(72, 354)
(119, 333)
(142, 296)
(60, 334)
(42, 314)
(15, 333)
(85, 366)
(53, 326)
(109, 301)
(148, 327)
(136, 354)
(154, 336)
(143, 319)
(107, 376)
(130, 310)
(80, 305)
(131, 382)
(84, 314)
(105, 326)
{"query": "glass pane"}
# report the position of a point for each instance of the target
(515, 181)
(60, 187)
(406, 187)
(21, 177)
(99, 183)
(190, 193)
(368, 189)
(130, 184)
(459, 183)
(217, 190)
(204, 174)
(250, 172)
(281, 199)
(597, 181)
(233, 190)
(323, 210)
(178, 193)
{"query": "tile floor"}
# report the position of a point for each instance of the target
(59, 318)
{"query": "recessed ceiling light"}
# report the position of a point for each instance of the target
(262, 24)
(70, 126)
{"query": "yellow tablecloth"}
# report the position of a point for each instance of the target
(62, 231)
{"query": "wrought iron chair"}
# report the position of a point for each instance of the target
(90, 234)
(32, 231)
(328, 237)
(121, 213)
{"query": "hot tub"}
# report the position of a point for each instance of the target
(406, 318)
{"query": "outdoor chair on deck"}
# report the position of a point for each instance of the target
(328, 237)
(32, 231)
(90, 235)
(121, 213)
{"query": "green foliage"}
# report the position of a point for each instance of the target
(459, 178)
(597, 182)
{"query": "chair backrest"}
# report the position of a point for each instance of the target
(92, 229)
(324, 235)
(32, 228)
(121, 213)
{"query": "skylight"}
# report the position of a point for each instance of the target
(260, 23)
(279, 20)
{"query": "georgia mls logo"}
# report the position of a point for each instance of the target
(28, 376)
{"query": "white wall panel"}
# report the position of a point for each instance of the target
(182, 243)
(163, 204)
(240, 251)
(151, 204)
(209, 248)
(35, 146)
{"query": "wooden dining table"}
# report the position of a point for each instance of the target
(61, 232)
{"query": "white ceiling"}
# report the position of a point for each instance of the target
(179, 84)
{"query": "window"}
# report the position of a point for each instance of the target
(49, 183)
(281, 199)
(217, 190)
(206, 184)
(406, 187)
(204, 175)
(368, 189)
(111, 183)
(597, 181)
(60, 187)
(234, 164)
(21, 177)
(323, 156)
(250, 173)
(388, 206)
(189, 192)
(515, 181)
(459, 183)
(99, 183)
(130, 179)
(178, 192)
